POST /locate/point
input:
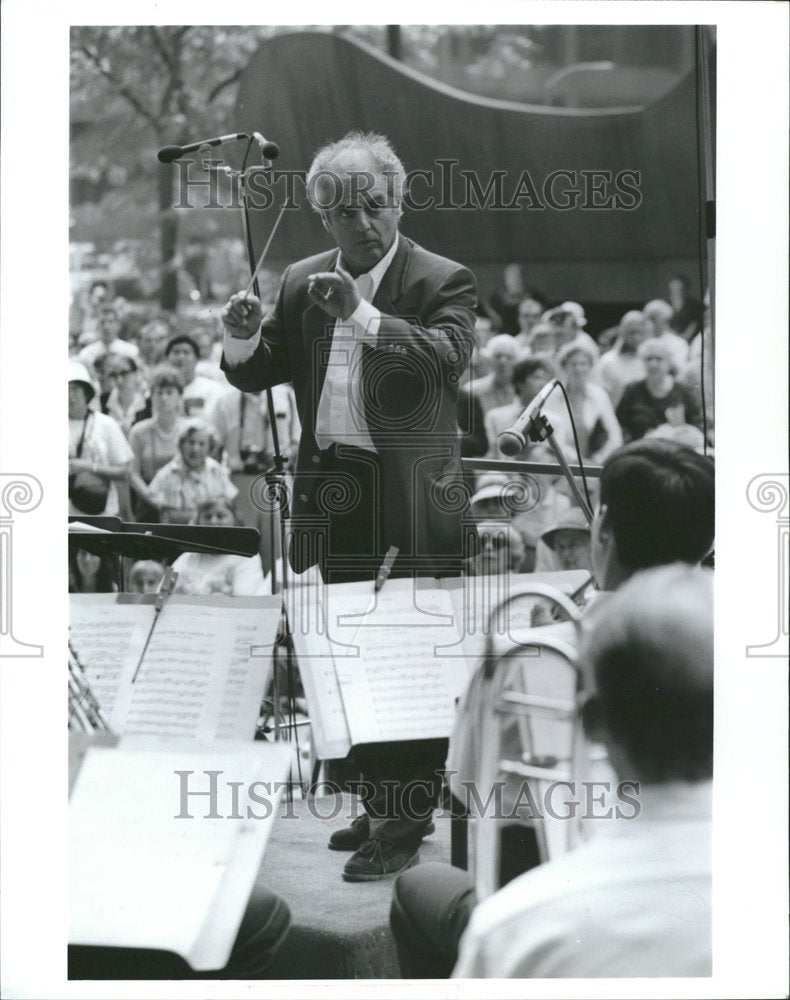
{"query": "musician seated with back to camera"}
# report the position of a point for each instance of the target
(656, 507)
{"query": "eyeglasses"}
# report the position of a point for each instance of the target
(114, 375)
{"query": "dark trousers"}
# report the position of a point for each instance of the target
(431, 906)
(262, 931)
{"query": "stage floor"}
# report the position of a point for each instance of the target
(340, 930)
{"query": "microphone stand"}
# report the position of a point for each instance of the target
(541, 430)
(277, 492)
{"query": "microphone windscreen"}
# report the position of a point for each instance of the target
(270, 150)
(511, 444)
(168, 153)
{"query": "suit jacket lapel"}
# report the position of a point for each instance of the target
(391, 287)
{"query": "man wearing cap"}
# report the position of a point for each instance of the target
(97, 446)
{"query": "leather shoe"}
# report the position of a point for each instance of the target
(378, 859)
(351, 838)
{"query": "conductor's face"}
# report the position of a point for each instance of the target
(362, 217)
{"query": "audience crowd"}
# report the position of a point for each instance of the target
(158, 435)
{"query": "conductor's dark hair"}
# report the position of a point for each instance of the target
(660, 499)
(650, 650)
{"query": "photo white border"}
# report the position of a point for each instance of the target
(750, 796)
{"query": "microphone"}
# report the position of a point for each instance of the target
(169, 153)
(270, 150)
(513, 440)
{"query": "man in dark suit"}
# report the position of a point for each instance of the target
(375, 339)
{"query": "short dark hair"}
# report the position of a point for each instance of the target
(182, 338)
(523, 369)
(649, 647)
(660, 499)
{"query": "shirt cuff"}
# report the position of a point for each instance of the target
(238, 351)
(367, 319)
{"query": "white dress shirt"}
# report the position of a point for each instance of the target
(634, 901)
(340, 416)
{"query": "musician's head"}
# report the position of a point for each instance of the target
(356, 185)
(529, 377)
(656, 507)
(648, 661)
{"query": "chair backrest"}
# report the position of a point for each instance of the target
(523, 735)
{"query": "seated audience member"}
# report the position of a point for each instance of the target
(605, 909)
(190, 478)
(529, 375)
(110, 341)
(529, 504)
(656, 507)
(596, 424)
(199, 393)
(700, 365)
(209, 573)
(125, 402)
(529, 313)
(99, 454)
(659, 313)
(568, 321)
(686, 310)
(658, 398)
(145, 576)
(496, 388)
(240, 422)
(154, 441)
(91, 574)
(565, 545)
(501, 549)
(153, 340)
(542, 341)
(621, 365)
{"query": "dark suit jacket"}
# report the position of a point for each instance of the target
(409, 387)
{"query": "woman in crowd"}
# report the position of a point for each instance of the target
(91, 574)
(99, 454)
(155, 441)
(596, 424)
(191, 477)
(657, 399)
(125, 402)
(206, 573)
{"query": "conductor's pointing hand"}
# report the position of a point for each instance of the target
(242, 315)
(335, 291)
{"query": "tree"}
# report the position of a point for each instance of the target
(158, 85)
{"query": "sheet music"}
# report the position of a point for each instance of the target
(204, 671)
(143, 878)
(399, 688)
(108, 638)
(314, 652)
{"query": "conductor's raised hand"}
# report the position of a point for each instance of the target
(242, 315)
(335, 291)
